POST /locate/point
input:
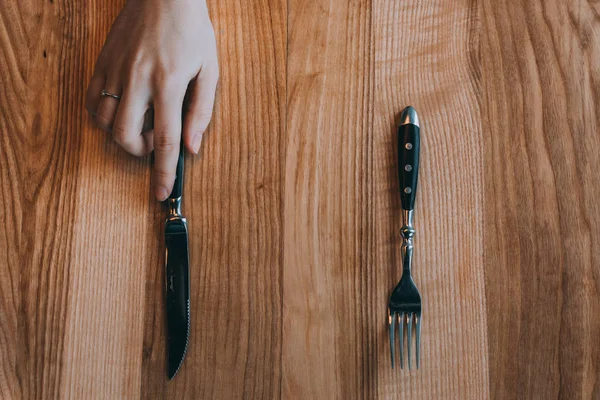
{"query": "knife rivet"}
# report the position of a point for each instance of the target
(408, 168)
(408, 146)
(407, 190)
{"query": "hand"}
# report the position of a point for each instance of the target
(155, 53)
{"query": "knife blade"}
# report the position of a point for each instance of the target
(177, 283)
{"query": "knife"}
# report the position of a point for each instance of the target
(177, 282)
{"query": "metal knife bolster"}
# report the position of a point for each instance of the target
(175, 210)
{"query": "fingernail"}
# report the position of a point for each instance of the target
(161, 193)
(196, 143)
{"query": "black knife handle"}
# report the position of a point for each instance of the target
(408, 163)
(178, 186)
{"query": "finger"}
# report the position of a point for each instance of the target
(93, 95)
(167, 136)
(107, 107)
(200, 108)
(129, 122)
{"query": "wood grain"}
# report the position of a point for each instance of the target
(326, 286)
(541, 80)
(109, 255)
(294, 211)
(41, 118)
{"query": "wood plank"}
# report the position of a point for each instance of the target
(327, 292)
(103, 346)
(233, 203)
(540, 79)
(40, 121)
(426, 55)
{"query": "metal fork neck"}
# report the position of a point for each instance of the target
(408, 232)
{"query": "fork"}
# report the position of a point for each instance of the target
(405, 300)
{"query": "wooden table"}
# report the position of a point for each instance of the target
(294, 211)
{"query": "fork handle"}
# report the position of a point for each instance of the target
(408, 157)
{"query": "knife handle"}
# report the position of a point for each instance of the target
(408, 163)
(178, 185)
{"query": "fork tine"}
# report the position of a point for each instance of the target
(418, 336)
(392, 323)
(401, 336)
(409, 329)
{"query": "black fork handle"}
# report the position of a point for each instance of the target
(408, 163)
